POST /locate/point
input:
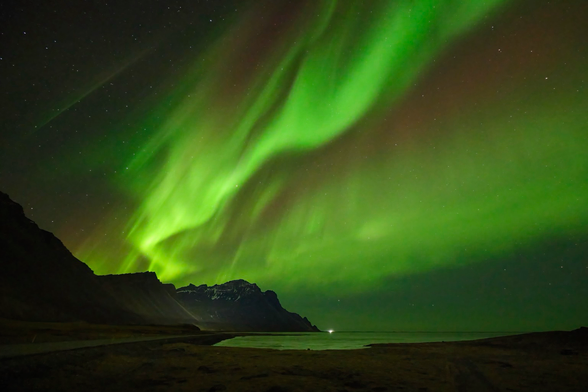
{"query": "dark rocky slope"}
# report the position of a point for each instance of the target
(41, 280)
(143, 294)
(240, 306)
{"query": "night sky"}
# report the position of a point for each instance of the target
(381, 165)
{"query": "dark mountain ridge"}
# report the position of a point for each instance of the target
(240, 306)
(143, 294)
(41, 280)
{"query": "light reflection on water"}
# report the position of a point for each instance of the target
(347, 340)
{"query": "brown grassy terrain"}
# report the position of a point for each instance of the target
(536, 362)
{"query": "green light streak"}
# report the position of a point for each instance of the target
(233, 191)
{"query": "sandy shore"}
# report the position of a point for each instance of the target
(535, 362)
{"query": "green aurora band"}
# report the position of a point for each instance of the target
(316, 168)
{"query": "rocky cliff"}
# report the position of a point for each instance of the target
(240, 306)
(41, 280)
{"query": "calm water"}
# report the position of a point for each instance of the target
(347, 340)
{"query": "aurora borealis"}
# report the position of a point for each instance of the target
(417, 165)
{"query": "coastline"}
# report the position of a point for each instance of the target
(530, 362)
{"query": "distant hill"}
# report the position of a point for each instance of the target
(40, 280)
(240, 306)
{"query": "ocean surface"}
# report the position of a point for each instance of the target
(348, 340)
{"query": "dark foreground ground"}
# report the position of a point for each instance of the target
(554, 361)
(22, 332)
